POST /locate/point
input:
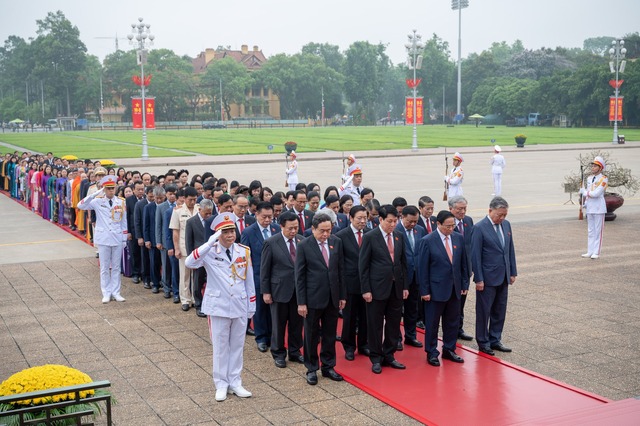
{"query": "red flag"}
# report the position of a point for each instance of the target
(409, 110)
(612, 108)
(616, 83)
(150, 106)
(413, 83)
(136, 113)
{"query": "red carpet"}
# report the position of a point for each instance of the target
(482, 391)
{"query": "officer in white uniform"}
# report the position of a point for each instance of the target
(497, 165)
(351, 165)
(353, 185)
(292, 172)
(595, 206)
(229, 301)
(110, 234)
(455, 177)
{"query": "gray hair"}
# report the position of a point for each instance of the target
(330, 213)
(498, 203)
(206, 204)
(457, 199)
(158, 191)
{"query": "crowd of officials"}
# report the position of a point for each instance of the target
(312, 257)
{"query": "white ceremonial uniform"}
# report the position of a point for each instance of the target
(353, 191)
(110, 237)
(595, 207)
(229, 300)
(455, 179)
(497, 165)
(292, 175)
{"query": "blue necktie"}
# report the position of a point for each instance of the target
(265, 232)
(500, 236)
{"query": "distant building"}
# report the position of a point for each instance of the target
(261, 102)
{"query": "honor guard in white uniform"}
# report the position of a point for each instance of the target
(229, 301)
(292, 172)
(595, 206)
(455, 177)
(110, 234)
(497, 165)
(353, 185)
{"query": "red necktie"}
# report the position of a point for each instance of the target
(325, 254)
(241, 225)
(292, 251)
(301, 223)
(390, 246)
(359, 238)
(446, 246)
(429, 225)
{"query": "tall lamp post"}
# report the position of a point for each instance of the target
(617, 53)
(459, 5)
(414, 49)
(142, 36)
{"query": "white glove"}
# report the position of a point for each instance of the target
(214, 238)
(583, 191)
(446, 178)
(347, 182)
(99, 192)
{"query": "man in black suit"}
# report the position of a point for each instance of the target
(304, 216)
(383, 278)
(464, 226)
(240, 209)
(134, 249)
(149, 233)
(138, 216)
(354, 314)
(427, 220)
(277, 285)
(321, 293)
(195, 236)
(441, 271)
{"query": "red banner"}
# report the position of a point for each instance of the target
(413, 83)
(612, 108)
(409, 110)
(616, 83)
(136, 113)
(150, 108)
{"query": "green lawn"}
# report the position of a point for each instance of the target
(164, 143)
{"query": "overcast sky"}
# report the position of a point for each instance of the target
(284, 26)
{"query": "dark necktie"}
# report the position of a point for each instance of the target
(500, 237)
(461, 228)
(359, 238)
(110, 203)
(229, 254)
(301, 223)
(292, 251)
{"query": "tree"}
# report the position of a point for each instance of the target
(598, 45)
(169, 84)
(330, 53)
(437, 72)
(235, 83)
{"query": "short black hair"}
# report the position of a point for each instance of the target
(190, 191)
(263, 205)
(399, 202)
(367, 191)
(287, 216)
(387, 210)
(410, 211)
(356, 209)
(443, 215)
(276, 201)
(424, 200)
(224, 198)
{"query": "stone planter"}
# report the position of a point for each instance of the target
(613, 201)
(520, 142)
(290, 146)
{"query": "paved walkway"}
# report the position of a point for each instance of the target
(573, 319)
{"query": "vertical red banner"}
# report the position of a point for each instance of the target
(612, 108)
(419, 111)
(136, 113)
(149, 111)
(409, 110)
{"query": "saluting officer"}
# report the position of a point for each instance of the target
(110, 234)
(229, 301)
(455, 177)
(353, 185)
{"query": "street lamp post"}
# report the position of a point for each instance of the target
(459, 5)
(414, 49)
(617, 53)
(142, 37)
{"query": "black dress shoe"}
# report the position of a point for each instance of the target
(167, 295)
(312, 378)
(155, 290)
(364, 351)
(395, 364)
(296, 358)
(413, 342)
(136, 279)
(433, 360)
(500, 347)
(331, 373)
(176, 299)
(200, 313)
(185, 307)
(280, 363)
(451, 356)
(420, 325)
(250, 332)
(349, 355)
(147, 285)
(464, 336)
(486, 350)
(262, 347)
(338, 338)
(399, 346)
(376, 368)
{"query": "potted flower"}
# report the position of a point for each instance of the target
(620, 181)
(290, 146)
(520, 140)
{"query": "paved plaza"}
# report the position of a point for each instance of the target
(572, 319)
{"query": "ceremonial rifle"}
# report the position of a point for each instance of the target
(446, 172)
(580, 214)
(286, 179)
(343, 172)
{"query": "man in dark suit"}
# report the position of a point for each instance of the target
(494, 269)
(138, 216)
(195, 236)
(464, 226)
(427, 220)
(305, 217)
(320, 293)
(134, 249)
(149, 233)
(384, 282)
(354, 314)
(442, 266)
(413, 232)
(240, 209)
(277, 285)
(372, 207)
(253, 237)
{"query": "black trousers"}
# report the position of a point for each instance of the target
(145, 270)
(491, 310)
(384, 316)
(410, 314)
(449, 311)
(327, 319)
(286, 320)
(354, 316)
